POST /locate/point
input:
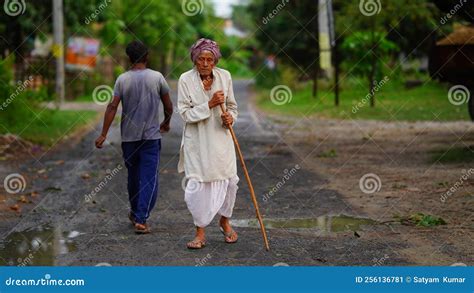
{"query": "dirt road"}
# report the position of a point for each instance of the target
(316, 212)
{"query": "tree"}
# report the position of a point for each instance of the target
(363, 51)
(18, 32)
(288, 29)
(161, 25)
(411, 24)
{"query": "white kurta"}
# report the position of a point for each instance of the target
(207, 153)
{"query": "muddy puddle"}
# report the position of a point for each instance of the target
(327, 224)
(37, 246)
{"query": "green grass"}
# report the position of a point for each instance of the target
(49, 126)
(84, 99)
(421, 219)
(393, 102)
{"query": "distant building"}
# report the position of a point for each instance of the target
(231, 30)
(452, 57)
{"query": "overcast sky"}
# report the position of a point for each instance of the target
(223, 7)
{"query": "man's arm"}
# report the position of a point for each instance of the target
(108, 119)
(168, 110)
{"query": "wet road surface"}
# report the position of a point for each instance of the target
(70, 225)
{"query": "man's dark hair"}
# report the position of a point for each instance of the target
(137, 52)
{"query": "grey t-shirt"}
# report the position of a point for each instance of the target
(140, 92)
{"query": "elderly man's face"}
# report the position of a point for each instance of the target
(205, 63)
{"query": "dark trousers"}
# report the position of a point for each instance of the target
(142, 159)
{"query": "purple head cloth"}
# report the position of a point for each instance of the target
(205, 45)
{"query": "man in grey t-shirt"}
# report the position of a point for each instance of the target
(140, 90)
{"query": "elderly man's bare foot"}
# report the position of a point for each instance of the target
(226, 229)
(199, 240)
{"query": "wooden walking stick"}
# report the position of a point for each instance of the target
(249, 182)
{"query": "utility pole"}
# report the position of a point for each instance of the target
(58, 48)
(317, 53)
(335, 49)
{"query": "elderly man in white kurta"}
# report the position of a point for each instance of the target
(207, 154)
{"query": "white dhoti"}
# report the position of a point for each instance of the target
(206, 199)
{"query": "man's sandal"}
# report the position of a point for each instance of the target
(142, 228)
(230, 237)
(196, 244)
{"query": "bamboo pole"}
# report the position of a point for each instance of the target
(249, 182)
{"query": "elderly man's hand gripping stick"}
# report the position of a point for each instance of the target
(217, 99)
